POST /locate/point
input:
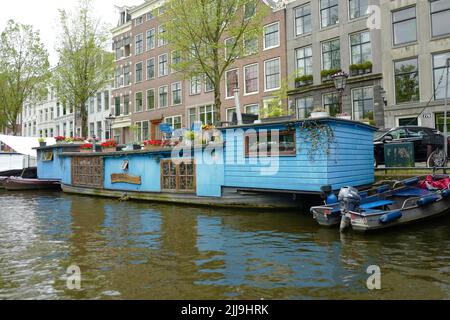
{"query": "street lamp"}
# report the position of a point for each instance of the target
(340, 82)
(445, 111)
(110, 120)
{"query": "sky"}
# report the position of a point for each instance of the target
(43, 16)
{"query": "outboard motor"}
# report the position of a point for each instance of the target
(349, 200)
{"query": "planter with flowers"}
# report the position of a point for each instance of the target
(109, 146)
(69, 140)
(78, 139)
(152, 144)
(319, 112)
(60, 139)
(86, 148)
(42, 142)
(344, 116)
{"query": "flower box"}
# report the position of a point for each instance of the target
(85, 150)
(319, 114)
(108, 149)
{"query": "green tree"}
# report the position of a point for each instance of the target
(23, 71)
(209, 35)
(85, 66)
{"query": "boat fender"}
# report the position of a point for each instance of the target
(383, 189)
(390, 217)
(411, 181)
(446, 193)
(345, 223)
(426, 200)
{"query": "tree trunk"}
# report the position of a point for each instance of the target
(84, 121)
(217, 97)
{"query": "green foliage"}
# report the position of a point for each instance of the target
(361, 66)
(407, 84)
(85, 66)
(304, 78)
(23, 71)
(328, 73)
(197, 30)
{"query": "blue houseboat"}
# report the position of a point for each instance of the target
(264, 165)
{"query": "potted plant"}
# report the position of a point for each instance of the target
(319, 112)
(367, 67)
(86, 148)
(68, 140)
(304, 80)
(60, 139)
(344, 116)
(78, 139)
(152, 144)
(42, 142)
(109, 146)
(189, 138)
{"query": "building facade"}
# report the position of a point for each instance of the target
(324, 37)
(416, 45)
(147, 92)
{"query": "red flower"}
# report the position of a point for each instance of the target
(156, 143)
(60, 138)
(109, 144)
(86, 146)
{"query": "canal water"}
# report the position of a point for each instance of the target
(130, 250)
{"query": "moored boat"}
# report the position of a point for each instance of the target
(412, 202)
(17, 183)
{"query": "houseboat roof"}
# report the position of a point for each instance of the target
(296, 121)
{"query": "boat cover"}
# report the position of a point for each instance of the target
(430, 184)
(24, 145)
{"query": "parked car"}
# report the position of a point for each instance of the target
(428, 144)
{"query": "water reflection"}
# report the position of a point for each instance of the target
(148, 251)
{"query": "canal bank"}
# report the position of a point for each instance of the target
(138, 250)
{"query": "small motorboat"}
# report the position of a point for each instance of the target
(1, 182)
(329, 214)
(412, 202)
(18, 183)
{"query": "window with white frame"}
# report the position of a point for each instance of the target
(161, 40)
(251, 79)
(304, 107)
(250, 45)
(151, 36)
(192, 116)
(174, 121)
(231, 82)
(230, 113)
(230, 48)
(196, 85)
(126, 75)
(252, 109)
(249, 10)
(329, 13)
(139, 21)
(358, 8)
(302, 16)
(176, 59)
(272, 74)
(208, 85)
(271, 35)
(138, 102)
(176, 93)
(439, 70)
(363, 104)
(138, 73)
(303, 59)
(126, 104)
(150, 68)
(208, 114)
(150, 99)
(139, 48)
(163, 96)
(163, 65)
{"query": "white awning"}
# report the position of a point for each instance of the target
(24, 145)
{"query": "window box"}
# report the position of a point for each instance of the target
(327, 74)
(261, 144)
(361, 69)
(304, 81)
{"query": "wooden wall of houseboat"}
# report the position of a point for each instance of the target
(350, 162)
(351, 159)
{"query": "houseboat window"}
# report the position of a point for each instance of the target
(177, 177)
(265, 145)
